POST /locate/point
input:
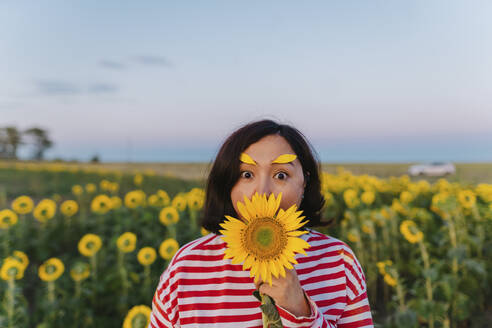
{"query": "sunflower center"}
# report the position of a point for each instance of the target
(265, 238)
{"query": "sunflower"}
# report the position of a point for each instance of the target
(165, 200)
(353, 236)
(138, 179)
(77, 190)
(7, 218)
(389, 280)
(89, 244)
(80, 271)
(467, 198)
(21, 257)
(368, 197)
(168, 248)
(179, 202)
(115, 202)
(137, 317)
(350, 198)
(195, 200)
(204, 231)
(45, 210)
(51, 269)
(127, 242)
(146, 256)
(410, 231)
(101, 204)
(23, 205)
(266, 239)
(69, 207)
(169, 215)
(153, 200)
(90, 188)
(12, 269)
(406, 197)
(135, 198)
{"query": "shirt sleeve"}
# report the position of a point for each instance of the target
(164, 313)
(356, 314)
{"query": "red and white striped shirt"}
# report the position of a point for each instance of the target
(200, 288)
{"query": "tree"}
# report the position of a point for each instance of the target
(41, 141)
(10, 140)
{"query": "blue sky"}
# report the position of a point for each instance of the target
(365, 81)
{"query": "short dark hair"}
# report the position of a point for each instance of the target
(225, 173)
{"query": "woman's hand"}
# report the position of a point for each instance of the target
(287, 293)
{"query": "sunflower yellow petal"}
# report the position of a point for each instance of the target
(243, 211)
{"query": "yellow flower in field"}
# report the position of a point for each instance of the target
(45, 210)
(168, 248)
(80, 271)
(89, 244)
(179, 202)
(204, 231)
(169, 215)
(51, 269)
(56, 197)
(146, 256)
(21, 257)
(195, 200)
(266, 239)
(350, 198)
(165, 200)
(137, 317)
(11, 269)
(135, 198)
(115, 202)
(23, 205)
(410, 231)
(101, 204)
(389, 280)
(328, 198)
(114, 187)
(368, 197)
(138, 179)
(69, 207)
(104, 184)
(90, 188)
(77, 190)
(382, 266)
(368, 227)
(467, 198)
(8, 218)
(385, 213)
(484, 190)
(353, 236)
(153, 200)
(126, 242)
(398, 208)
(406, 197)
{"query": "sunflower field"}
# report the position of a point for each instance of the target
(85, 248)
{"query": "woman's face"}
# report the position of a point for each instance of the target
(266, 177)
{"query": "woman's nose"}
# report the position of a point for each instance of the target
(263, 186)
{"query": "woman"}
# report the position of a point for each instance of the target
(200, 288)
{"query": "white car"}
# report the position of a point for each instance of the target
(432, 169)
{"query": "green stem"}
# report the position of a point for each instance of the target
(10, 302)
(428, 283)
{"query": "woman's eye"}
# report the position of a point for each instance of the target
(246, 174)
(281, 175)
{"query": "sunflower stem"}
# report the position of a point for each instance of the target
(10, 302)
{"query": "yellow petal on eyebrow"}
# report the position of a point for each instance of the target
(245, 158)
(285, 158)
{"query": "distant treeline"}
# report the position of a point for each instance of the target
(11, 139)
